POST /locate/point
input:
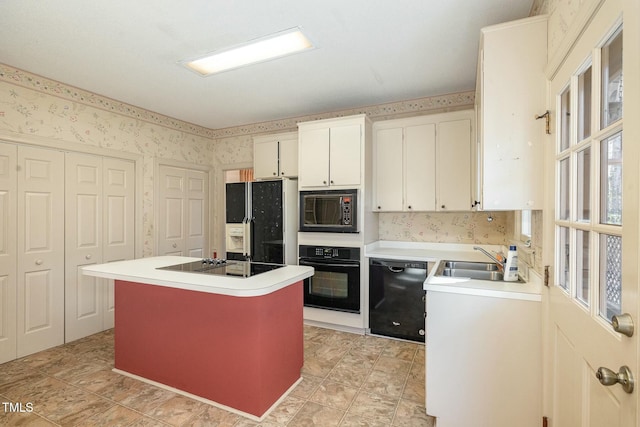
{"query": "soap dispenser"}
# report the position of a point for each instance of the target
(511, 265)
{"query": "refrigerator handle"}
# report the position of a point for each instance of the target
(247, 238)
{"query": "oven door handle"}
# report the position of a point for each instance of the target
(322, 264)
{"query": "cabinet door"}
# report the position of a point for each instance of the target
(288, 156)
(420, 168)
(265, 159)
(345, 155)
(40, 249)
(8, 258)
(513, 93)
(388, 170)
(313, 158)
(453, 166)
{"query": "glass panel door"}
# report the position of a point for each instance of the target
(589, 184)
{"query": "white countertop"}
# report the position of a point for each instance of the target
(435, 252)
(144, 270)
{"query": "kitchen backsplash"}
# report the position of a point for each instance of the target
(494, 228)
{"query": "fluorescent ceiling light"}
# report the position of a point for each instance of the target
(270, 47)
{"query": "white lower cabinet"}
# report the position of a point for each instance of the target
(99, 217)
(423, 163)
(484, 360)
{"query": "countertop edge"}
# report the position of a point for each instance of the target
(255, 286)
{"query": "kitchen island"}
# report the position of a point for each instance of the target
(235, 342)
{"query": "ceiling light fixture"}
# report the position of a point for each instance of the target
(273, 46)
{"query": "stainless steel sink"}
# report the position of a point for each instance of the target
(471, 270)
(467, 265)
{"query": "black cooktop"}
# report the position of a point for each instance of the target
(223, 267)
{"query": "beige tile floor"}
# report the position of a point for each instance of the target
(348, 380)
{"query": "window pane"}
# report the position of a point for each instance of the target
(611, 180)
(610, 276)
(564, 255)
(582, 267)
(565, 119)
(584, 185)
(584, 105)
(612, 80)
(563, 208)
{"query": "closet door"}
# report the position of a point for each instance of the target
(8, 258)
(171, 238)
(83, 241)
(40, 264)
(196, 203)
(183, 211)
(118, 225)
(99, 228)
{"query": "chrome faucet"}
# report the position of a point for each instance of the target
(478, 248)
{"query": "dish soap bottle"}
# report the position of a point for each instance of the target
(511, 265)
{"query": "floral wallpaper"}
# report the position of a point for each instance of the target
(32, 105)
(447, 227)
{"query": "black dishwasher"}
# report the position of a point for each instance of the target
(397, 298)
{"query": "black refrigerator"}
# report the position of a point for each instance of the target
(261, 221)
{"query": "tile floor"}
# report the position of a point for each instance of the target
(348, 380)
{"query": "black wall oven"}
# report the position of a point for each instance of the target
(335, 284)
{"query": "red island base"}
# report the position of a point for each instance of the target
(243, 353)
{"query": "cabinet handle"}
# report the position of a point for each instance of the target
(409, 207)
(274, 174)
(324, 182)
(88, 256)
(39, 262)
(332, 181)
(175, 245)
(443, 206)
(282, 173)
(379, 207)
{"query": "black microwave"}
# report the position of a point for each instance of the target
(329, 211)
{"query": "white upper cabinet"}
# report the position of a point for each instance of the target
(275, 156)
(453, 164)
(331, 152)
(510, 93)
(423, 163)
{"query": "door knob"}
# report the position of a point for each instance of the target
(623, 323)
(624, 377)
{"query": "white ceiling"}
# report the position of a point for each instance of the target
(368, 52)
